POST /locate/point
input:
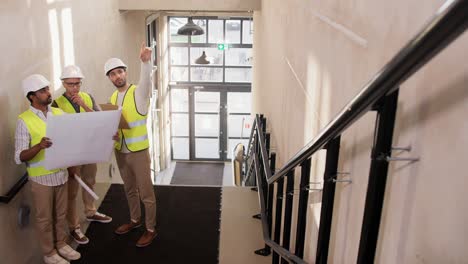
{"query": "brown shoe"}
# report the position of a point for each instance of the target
(125, 228)
(98, 217)
(79, 237)
(146, 238)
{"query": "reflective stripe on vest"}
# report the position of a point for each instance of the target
(37, 130)
(64, 104)
(136, 138)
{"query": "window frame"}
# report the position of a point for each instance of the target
(189, 44)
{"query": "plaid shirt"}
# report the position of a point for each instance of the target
(22, 140)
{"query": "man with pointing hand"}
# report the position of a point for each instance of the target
(131, 150)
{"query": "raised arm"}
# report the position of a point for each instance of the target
(142, 93)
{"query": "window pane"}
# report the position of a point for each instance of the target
(174, 24)
(180, 125)
(215, 34)
(237, 126)
(238, 75)
(179, 100)
(207, 102)
(200, 38)
(232, 143)
(206, 74)
(233, 31)
(206, 125)
(179, 74)
(247, 31)
(239, 57)
(207, 148)
(214, 55)
(179, 56)
(180, 148)
(239, 102)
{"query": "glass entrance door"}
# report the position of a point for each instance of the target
(207, 130)
(208, 122)
(239, 121)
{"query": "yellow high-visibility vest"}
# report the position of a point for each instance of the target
(64, 104)
(136, 138)
(37, 129)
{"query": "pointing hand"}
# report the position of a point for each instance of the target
(145, 53)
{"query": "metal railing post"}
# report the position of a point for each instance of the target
(288, 211)
(377, 177)
(302, 209)
(328, 198)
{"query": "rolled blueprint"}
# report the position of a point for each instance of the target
(81, 182)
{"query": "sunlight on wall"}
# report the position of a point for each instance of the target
(32, 33)
(318, 92)
(65, 56)
(67, 29)
(55, 41)
(313, 90)
(325, 100)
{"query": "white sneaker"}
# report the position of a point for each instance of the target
(55, 259)
(69, 253)
(98, 217)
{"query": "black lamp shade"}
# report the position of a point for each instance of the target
(190, 29)
(202, 59)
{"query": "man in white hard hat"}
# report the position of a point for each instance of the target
(75, 101)
(48, 187)
(131, 150)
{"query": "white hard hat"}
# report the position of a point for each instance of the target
(113, 63)
(71, 71)
(34, 83)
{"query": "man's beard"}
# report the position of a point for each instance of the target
(46, 101)
(120, 84)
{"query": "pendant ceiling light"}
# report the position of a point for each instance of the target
(202, 59)
(190, 29)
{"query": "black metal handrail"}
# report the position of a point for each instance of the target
(285, 254)
(14, 189)
(449, 22)
(380, 94)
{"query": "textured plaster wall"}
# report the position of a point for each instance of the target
(311, 58)
(34, 43)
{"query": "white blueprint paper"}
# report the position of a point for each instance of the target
(79, 139)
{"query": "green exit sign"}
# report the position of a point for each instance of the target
(223, 46)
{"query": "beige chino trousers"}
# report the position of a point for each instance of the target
(50, 209)
(88, 175)
(135, 171)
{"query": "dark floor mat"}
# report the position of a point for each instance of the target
(187, 225)
(198, 173)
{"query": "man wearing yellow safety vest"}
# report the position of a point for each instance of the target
(48, 187)
(75, 101)
(132, 147)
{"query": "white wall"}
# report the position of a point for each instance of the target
(194, 5)
(28, 47)
(311, 58)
